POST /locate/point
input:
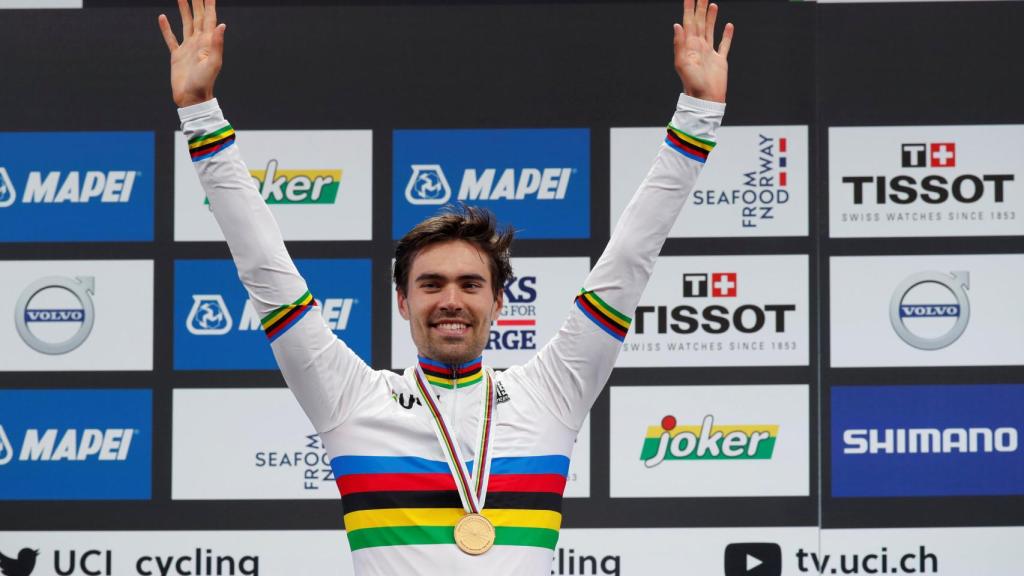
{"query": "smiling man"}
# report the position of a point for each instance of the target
(468, 476)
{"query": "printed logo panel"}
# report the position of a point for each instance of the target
(926, 181)
(537, 181)
(721, 311)
(281, 459)
(176, 553)
(71, 315)
(76, 186)
(926, 310)
(318, 184)
(216, 327)
(75, 444)
(36, 4)
(932, 551)
(927, 440)
(755, 183)
(537, 302)
(698, 441)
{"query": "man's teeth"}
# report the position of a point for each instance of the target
(450, 326)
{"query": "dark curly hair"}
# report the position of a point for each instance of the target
(475, 225)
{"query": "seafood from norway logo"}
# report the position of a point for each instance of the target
(311, 461)
(761, 190)
(930, 310)
(708, 441)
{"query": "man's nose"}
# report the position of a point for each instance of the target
(451, 299)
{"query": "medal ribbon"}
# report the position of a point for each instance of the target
(472, 489)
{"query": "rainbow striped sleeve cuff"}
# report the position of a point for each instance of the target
(690, 146)
(607, 318)
(208, 145)
(280, 320)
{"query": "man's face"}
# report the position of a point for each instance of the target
(449, 301)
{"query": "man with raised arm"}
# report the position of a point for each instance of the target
(468, 478)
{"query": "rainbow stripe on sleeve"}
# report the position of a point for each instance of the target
(280, 320)
(208, 145)
(607, 318)
(687, 145)
(406, 500)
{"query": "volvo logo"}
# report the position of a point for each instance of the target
(55, 315)
(930, 310)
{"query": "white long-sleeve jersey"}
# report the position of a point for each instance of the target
(399, 497)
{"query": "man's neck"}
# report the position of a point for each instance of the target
(446, 375)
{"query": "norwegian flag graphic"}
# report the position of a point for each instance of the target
(942, 154)
(723, 285)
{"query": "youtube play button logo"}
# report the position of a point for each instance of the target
(753, 559)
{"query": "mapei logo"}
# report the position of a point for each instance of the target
(707, 441)
(72, 444)
(930, 310)
(210, 316)
(903, 189)
(428, 184)
(516, 328)
(761, 190)
(713, 318)
(55, 314)
(72, 187)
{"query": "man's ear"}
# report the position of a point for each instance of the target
(403, 305)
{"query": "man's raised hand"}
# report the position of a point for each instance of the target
(195, 62)
(703, 70)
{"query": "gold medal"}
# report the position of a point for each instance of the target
(474, 534)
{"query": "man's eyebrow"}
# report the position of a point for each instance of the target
(426, 276)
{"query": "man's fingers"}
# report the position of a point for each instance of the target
(165, 29)
(688, 25)
(709, 28)
(186, 19)
(218, 38)
(723, 48)
(197, 16)
(700, 16)
(211, 15)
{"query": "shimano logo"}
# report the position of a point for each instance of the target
(74, 187)
(428, 184)
(929, 440)
(73, 445)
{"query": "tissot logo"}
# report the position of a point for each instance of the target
(535, 180)
(218, 327)
(713, 319)
(923, 181)
(728, 310)
(516, 328)
(935, 155)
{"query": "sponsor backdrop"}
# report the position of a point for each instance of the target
(824, 376)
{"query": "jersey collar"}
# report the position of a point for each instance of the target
(452, 375)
